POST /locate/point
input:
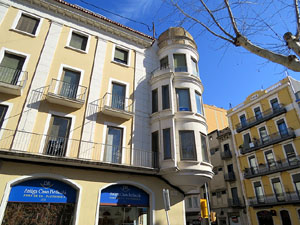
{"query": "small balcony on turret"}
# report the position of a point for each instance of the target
(12, 81)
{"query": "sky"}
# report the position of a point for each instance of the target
(229, 74)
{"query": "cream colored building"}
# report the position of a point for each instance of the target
(96, 118)
(266, 130)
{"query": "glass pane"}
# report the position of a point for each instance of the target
(3, 110)
(297, 185)
(69, 84)
(278, 191)
(167, 143)
(204, 148)
(275, 104)
(165, 97)
(259, 194)
(263, 135)
(258, 114)
(121, 55)
(187, 143)
(290, 153)
(28, 24)
(11, 68)
(154, 101)
(183, 99)
(270, 159)
(243, 120)
(78, 41)
(118, 96)
(247, 140)
(194, 67)
(164, 63)
(113, 151)
(199, 103)
(180, 63)
(282, 128)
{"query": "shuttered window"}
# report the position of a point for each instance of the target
(28, 24)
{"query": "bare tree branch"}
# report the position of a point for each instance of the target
(293, 42)
(297, 18)
(235, 28)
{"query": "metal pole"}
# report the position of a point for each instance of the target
(208, 206)
(167, 218)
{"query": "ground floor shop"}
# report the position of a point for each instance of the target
(47, 194)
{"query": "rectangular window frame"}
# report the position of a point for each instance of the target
(164, 63)
(165, 95)
(199, 103)
(123, 131)
(180, 68)
(167, 147)
(68, 45)
(194, 157)
(3, 115)
(183, 109)
(118, 61)
(194, 64)
(154, 100)
(17, 19)
(204, 148)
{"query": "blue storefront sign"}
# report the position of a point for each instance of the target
(124, 195)
(43, 191)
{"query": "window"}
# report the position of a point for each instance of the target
(285, 217)
(296, 180)
(204, 148)
(247, 141)
(282, 127)
(257, 113)
(155, 148)
(165, 97)
(223, 192)
(154, 101)
(3, 110)
(180, 63)
(220, 169)
(58, 134)
(277, 189)
(28, 24)
(11, 68)
(243, 120)
(69, 85)
(164, 63)
(226, 148)
(198, 102)
(118, 96)
(297, 95)
(113, 150)
(219, 194)
(121, 55)
(196, 202)
(259, 192)
(167, 143)
(187, 145)
(275, 104)
(290, 153)
(78, 41)
(213, 194)
(263, 135)
(183, 99)
(189, 203)
(270, 159)
(234, 194)
(194, 66)
(252, 164)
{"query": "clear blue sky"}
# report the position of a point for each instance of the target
(229, 74)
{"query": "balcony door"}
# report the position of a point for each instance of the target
(283, 131)
(259, 192)
(118, 96)
(113, 148)
(263, 135)
(58, 135)
(270, 159)
(253, 165)
(69, 84)
(277, 187)
(235, 197)
(247, 141)
(11, 68)
(257, 113)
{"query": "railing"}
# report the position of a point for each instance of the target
(266, 115)
(229, 176)
(279, 199)
(226, 155)
(281, 165)
(11, 76)
(267, 140)
(61, 147)
(180, 69)
(167, 68)
(67, 90)
(117, 102)
(235, 202)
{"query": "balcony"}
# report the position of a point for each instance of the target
(279, 166)
(272, 200)
(66, 94)
(12, 81)
(226, 155)
(117, 106)
(167, 69)
(267, 141)
(235, 203)
(266, 115)
(229, 176)
(72, 150)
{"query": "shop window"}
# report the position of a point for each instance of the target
(11, 68)
(165, 97)
(124, 204)
(199, 103)
(180, 63)
(3, 110)
(183, 99)
(121, 55)
(164, 63)
(69, 84)
(28, 24)
(167, 143)
(49, 202)
(187, 145)
(154, 101)
(194, 66)
(78, 41)
(58, 134)
(204, 148)
(113, 147)
(118, 96)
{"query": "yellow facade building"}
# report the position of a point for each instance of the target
(266, 129)
(216, 118)
(97, 119)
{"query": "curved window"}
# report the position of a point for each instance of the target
(40, 202)
(285, 217)
(123, 204)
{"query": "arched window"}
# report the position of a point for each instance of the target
(41, 201)
(265, 217)
(123, 204)
(285, 217)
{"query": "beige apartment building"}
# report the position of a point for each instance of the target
(96, 119)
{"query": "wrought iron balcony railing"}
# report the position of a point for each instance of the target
(13, 76)
(67, 90)
(62, 147)
(235, 203)
(226, 155)
(274, 167)
(267, 140)
(266, 115)
(229, 176)
(271, 200)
